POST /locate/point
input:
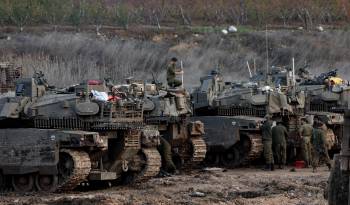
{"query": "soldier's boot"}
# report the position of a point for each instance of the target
(272, 167)
(163, 173)
(314, 169)
(329, 166)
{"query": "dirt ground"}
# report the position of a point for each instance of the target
(213, 186)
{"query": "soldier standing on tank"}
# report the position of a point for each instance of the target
(164, 149)
(267, 142)
(305, 133)
(319, 149)
(172, 71)
(279, 144)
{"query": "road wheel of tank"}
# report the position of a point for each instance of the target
(47, 183)
(212, 159)
(338, 184)
(231, 158)
(237, 155)
(65, 166)
(23, 183)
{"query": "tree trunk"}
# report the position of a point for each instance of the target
(243, 12)
(184, 19)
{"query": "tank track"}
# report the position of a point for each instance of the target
(199, 149)
(195, 152)
(255, 150)
(82, 167)
(153, 163)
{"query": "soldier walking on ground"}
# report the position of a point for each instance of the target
(172, 71)
(305, 133)
(267, 142)
(279, 144)
(319, 149)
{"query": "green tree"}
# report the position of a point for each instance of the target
(121, 15)
(96, 13)
(20, 12)
(4, 11)
(55, 11)
(75, 17)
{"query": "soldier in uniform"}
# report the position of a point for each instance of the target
(319, 149)
(171, 74)
(305, 133)
(164, 149)
(279, 144)
(267, 142)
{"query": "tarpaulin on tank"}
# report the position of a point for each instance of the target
(8, 109)
(301, 99)
(103, 96)
(280, 101)
(277, 102)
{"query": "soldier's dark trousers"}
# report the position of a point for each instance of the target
(306, 149)
(318, 156)
(165, 151)
(280, 153)
(268, 155)
(174, 83)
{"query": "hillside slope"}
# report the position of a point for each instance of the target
(67, 58)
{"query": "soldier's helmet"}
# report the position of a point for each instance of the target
(318, 124)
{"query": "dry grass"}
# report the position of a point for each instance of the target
(68, 58)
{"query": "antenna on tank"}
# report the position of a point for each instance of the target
(254, 67)
(267, 53)
(293, 70)
(249, 70)
(182, 74)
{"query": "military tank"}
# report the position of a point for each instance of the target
(327, 96)
(245, 105)
(338, 182)
(56, 140)
(169, 110)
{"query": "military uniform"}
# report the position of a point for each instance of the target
(171, 76)
(165, 151)
(305, 132)
(267, 142)
(319, 150)
(279, 144)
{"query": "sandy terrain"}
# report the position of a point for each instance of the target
(236, 187)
